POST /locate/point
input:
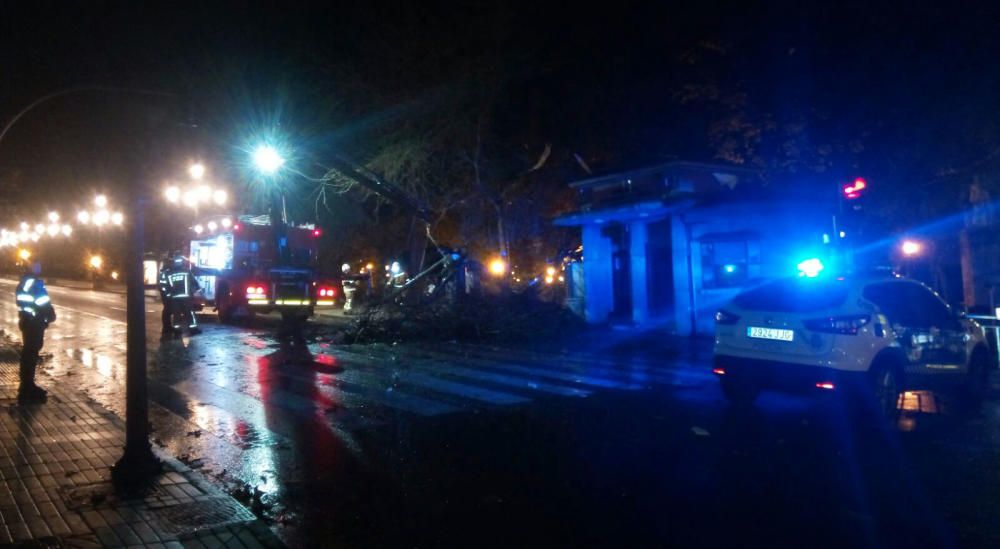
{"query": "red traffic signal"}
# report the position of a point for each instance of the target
(854, 190)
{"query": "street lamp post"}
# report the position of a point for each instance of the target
(138, 461)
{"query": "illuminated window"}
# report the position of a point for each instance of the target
(727, 260)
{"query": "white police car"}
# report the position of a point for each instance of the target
(880, 333)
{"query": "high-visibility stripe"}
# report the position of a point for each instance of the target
(28, 298)
(28, 283)
(42, 300)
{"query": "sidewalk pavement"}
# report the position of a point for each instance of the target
(55, 489)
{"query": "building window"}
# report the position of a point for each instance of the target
(727, 260)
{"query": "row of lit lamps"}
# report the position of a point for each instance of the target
(98, 217)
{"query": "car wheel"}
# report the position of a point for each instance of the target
(741, 392)
(885, 390)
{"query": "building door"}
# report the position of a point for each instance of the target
(621, 270)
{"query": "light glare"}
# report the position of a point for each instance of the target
(267, 159)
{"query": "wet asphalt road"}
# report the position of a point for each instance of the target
(470, 446)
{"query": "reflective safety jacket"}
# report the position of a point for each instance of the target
(33, 301)
(177, 284)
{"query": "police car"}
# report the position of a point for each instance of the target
(880, 333)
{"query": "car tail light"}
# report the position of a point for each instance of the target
(255, 291)
(326, 292)
(847, 325)
(725, 317)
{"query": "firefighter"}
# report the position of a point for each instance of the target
(163, 284)
(35, 313)
(178, 286)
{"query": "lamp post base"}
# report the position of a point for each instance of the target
(136, 466)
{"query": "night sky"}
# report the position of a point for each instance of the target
(906, 94)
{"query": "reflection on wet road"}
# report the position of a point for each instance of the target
(422, 445)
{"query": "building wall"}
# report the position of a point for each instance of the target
(778, 237)
(597, 273)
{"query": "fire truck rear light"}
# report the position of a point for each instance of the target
(317, 232)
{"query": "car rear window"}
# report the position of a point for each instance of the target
(794, 296)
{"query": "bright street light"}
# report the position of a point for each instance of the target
(191, 199)
(53, 229)
(101, 201)
(117, 218)
(54, 217)
(67, 230)
(498, 267)
(24, 254)
(911, 248)
(39, 229)
(172, 193)
(196, 170)
(83, 217)
(96, 261)
(267, 159)
(220, 197)
(101, 217)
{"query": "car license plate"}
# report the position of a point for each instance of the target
(757, 332)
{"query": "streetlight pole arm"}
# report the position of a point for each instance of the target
(75, 89)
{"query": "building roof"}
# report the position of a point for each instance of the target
(667, 166)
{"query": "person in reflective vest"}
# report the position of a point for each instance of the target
(177, 288)
(163, 284)
(35, 313)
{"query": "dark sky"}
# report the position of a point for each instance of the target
(883, 86)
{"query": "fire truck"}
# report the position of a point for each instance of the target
(236, 262)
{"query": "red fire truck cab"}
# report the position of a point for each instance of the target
(236, 262)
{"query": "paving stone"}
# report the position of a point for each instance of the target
(108, 537)
(126, 534)
(45, 457)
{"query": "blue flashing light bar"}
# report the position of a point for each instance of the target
(810, 268)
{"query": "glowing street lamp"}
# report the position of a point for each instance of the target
(196, 171)
(267, 159)
(83, 217)
(54, 217)
(101, 217)
(24, 254)
(498, 267)
(172, 194)
(219, 196)
(96, 261)
(117, 218)
(911, 248)
(101, 201)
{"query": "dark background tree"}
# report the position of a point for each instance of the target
(431, 95)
